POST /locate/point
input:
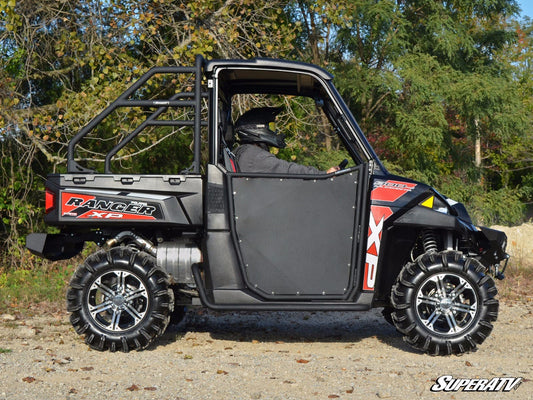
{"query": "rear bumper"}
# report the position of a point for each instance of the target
(54, 247)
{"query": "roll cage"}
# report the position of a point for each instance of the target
(266, 76)
(216, 81)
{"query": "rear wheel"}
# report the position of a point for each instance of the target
(444, 303)
(120, 300)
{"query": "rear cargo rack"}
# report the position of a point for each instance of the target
(182, 99)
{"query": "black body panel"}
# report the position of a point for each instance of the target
(420, 216)
(295, 234)
(54, 246)
(243, 300)
(91, 200)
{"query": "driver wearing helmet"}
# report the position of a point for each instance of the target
(255, 131)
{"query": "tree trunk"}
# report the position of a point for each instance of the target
(477, 145)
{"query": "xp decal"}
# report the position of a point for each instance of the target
(378, 215)
(82, 206)
(387, 191)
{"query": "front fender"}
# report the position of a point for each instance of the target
(488, 245)
(424, 217)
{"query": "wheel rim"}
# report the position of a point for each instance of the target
(117, 300)
(446, 304)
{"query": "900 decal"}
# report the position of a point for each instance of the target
(81, 206)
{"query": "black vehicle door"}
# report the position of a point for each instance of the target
(296, 235)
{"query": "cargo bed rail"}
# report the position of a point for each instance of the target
(182, 99)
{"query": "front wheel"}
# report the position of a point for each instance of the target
(120, 300)
(444, 303)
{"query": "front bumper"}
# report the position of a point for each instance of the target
(493, 244)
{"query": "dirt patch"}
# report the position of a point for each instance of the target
(519, 243)
(276, 355)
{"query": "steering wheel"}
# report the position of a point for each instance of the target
(343, 164)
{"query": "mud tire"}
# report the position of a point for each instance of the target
(120, 300)
(444, 303)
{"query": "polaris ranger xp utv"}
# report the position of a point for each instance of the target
(214, 236)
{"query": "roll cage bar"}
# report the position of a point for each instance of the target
(182, 99)
(279, 77)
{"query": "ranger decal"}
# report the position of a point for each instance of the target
(82, 206)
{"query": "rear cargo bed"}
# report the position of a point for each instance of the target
(103, 199)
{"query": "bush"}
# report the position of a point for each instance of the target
(498, 207)
(45, 281)
(504, 206)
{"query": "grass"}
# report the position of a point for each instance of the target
(45, 282)
(518, 282)
(4, 351)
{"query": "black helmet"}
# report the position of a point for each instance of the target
(257, 126)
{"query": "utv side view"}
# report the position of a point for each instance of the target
(214, 236)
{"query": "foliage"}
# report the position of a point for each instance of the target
(20, 199)
(46, 282)
(443, 89)
(504, 206)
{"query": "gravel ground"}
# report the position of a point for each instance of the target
(256, 356)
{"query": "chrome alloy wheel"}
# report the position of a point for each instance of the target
(446, 304)
(117, 300)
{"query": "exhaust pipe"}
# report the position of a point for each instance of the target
(175, 257)
(143, 244)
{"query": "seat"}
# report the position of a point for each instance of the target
(227, 141)
(230, 163)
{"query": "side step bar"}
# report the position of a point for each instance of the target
(273, 306)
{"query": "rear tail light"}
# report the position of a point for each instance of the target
(50, 200)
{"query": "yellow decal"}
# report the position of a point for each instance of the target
(428, 202)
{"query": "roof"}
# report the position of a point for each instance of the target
(267, 75)
(269, 63)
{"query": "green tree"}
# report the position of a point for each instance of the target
(443, 89)
(61, 63)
